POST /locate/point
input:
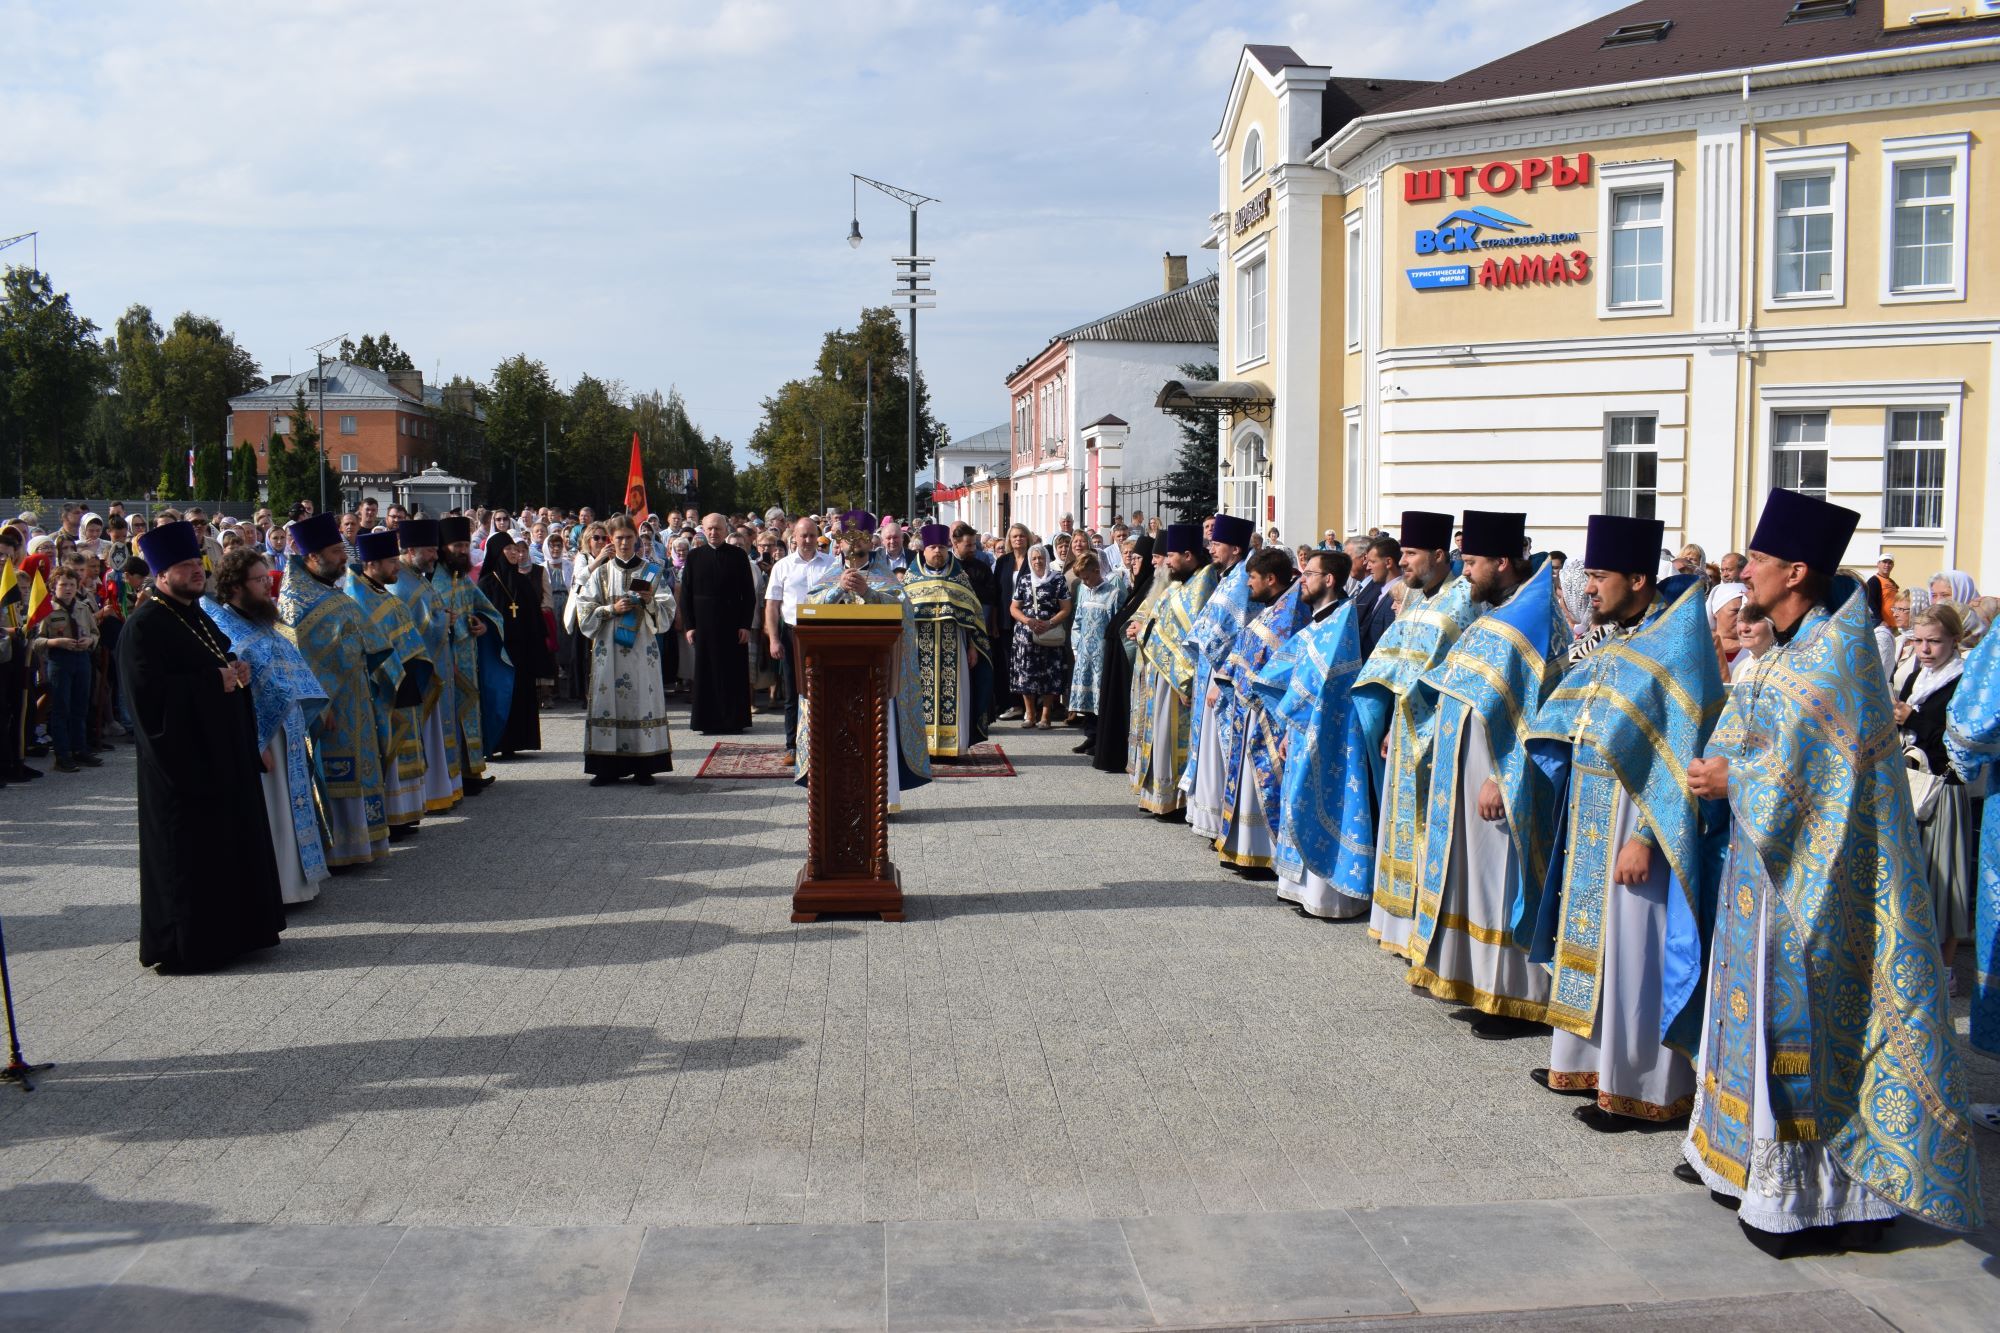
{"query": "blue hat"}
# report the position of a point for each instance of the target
(1799, 528)
(315, 533)
(1493, 535)
(375, 546)
(857, 518)
(1231, 530)
(1183, 537)
(1616, 544)
(415, 532)
(934, 534)
(1424, 530)
(165, 547)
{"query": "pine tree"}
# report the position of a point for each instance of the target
(1193, 487)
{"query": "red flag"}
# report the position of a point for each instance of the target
(635, 485)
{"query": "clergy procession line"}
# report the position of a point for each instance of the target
(1712, 899)
(1720, 900)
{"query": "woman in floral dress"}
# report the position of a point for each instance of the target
(1040, 604)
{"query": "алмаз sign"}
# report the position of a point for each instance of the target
(1483, 227)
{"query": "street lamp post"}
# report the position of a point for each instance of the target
(319, 377)
(912, 278)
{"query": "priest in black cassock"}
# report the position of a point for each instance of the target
(516, 594)
(208, 875)
(718, 606)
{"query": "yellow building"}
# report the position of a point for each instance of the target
(1624, 270)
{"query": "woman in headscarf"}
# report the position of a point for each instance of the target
(518, 598)
(1954, 585)
(1114, 691)
(1040, 609)
(1923, 692)
(1098, 595)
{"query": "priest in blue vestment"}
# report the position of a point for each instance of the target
(1325, 830)
(1491, 817)
(1248, 840)
(1973, 739)
(1829, 1095)
(1162, 687)
(1214, 634)
(1394, 708)
(1625, 916)
(417, 541)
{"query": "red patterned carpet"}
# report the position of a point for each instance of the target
(735, 759)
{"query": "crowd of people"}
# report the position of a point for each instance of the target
(1712, 831)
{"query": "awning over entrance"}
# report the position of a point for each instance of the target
(1239, 398)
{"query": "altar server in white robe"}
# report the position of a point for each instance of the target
(623, 606)
(1209, 642)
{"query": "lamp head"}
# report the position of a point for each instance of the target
(854, 234)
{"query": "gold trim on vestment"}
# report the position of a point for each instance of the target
(1464, 992)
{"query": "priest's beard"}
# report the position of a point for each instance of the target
(256, 610)
(456, 563)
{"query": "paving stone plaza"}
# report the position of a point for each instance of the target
(564, 1062)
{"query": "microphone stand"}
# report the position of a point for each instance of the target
(17, 1070)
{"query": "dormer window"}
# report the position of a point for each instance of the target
(1253, 155)
(1805, 11)
(1635, 34)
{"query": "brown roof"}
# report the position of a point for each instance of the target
(1708, 36)
(1348, 98)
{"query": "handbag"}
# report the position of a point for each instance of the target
(1055, 636)
(1925, 786)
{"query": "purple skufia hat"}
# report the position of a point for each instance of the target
(165, 547)
(1799, 528)
(857, 518)
(934, 534)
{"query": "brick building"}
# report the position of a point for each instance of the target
(381, 426)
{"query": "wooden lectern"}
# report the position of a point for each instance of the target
(848, 657)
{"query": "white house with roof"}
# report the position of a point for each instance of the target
(963, 461)
(1087, 440)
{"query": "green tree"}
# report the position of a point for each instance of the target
(590, 445)
(51, 365)
(243, 473)
(201, 369)
(674, 442)
(293, 466)
(208, 472)
(461, 436)
(522, 399)
(1192, 489)
(787, 439)
(172, 481)
(376, 353)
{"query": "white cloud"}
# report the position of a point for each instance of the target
(649, 192)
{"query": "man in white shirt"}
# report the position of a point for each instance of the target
(790, 579)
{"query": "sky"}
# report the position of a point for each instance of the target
(654, 193)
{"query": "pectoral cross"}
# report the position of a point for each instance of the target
(513, 608)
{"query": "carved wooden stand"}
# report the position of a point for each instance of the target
(849, 667)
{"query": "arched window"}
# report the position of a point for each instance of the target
(1253, 155)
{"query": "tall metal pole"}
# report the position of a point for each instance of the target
(910, 512)
(822, 466)
(868, 437)
(319, 369)
(545, 460)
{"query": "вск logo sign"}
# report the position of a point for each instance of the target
(1459, 230)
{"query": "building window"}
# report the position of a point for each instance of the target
(1798, 452)
(1921, 234)
(1631, 466)
(1636, 235)
(1913, 472)
(1804, 246)
(1635, 215)
(1250, 302)
(348, 463)
(1924, 222)
(1353, 506)
(348, 425)
(1805, 250)
(1354, 281)
(1253, 155)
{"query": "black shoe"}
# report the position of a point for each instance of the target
(1685, 1173)
(24, 774)
(65, 766)
(90, 761)
(1541, 1076)
(473, 786)
(1499, 1027)
(602, 780)
(398, 832)
(1603, 1121)
(642, 779)
(1084, 748)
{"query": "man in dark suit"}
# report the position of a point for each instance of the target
(1374, 608)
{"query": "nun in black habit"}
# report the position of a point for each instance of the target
(1114, 692)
